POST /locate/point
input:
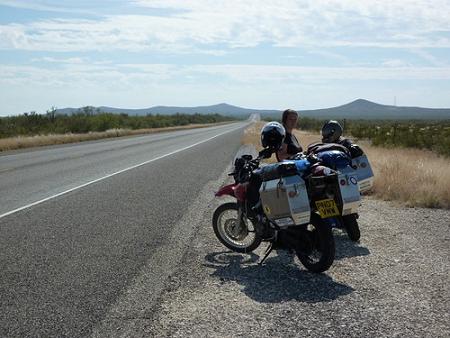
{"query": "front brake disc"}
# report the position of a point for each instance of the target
(236, 230)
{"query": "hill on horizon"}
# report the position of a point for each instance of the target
(358, 109)
(364, 109)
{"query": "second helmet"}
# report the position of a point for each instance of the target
(331, 131)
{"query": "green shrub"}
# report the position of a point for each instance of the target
(89, 119)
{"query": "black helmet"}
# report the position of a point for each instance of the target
(331, 131)
(272, 135)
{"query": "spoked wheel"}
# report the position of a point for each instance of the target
(236, 234)
(317, 253)
(352, 227)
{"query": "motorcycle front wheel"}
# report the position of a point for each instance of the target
(317, 254)
(236, 234)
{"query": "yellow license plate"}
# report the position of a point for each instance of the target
(327, 208)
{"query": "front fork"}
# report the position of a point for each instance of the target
(240, 212)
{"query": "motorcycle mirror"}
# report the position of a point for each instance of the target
(265, 153)
(246, 150)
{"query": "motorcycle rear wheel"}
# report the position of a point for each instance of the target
(352, 227)
(319, 254)
(235, 235)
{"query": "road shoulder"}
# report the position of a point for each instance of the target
(393, 283)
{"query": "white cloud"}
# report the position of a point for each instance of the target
(432, 60)
(196, 25)
(129, 76)
(131, 33)
(329, 55)
(396, 63)
(47, 6)
(256, 73)
(48, 59)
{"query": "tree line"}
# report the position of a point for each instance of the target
(430, 135)
(90, 119)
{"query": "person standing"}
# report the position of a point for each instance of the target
(291, 145)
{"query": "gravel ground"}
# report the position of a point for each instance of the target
(394, 283)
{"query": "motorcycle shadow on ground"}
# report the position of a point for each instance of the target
(281, 278)
(345, 248)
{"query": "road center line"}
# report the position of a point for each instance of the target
(113, 174)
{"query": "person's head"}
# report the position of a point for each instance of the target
(272, 136)
(331, 131)
(289, 119)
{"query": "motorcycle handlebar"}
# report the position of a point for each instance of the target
(250, 164)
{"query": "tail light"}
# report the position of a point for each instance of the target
(321, 170)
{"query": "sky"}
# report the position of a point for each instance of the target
(251, 53)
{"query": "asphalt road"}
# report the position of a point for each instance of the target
(32, 175)
(100, 221)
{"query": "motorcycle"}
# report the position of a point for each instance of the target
(346, 161)
(293, 205)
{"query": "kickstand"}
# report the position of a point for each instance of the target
(267, 253)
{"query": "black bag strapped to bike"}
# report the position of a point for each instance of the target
(278, 170)
(318, 147)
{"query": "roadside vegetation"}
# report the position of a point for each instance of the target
(413, 177)
(429, 135)
(31, 129)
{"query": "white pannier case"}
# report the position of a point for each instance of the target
(350, 195)
(285, 201)
(364, 172)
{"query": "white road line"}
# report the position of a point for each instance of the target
(110, 175)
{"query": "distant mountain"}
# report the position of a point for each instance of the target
(222, 108)
(363, 109)
(358, 109)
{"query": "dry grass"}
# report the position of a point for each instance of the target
(20, 142)
(416, 178)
